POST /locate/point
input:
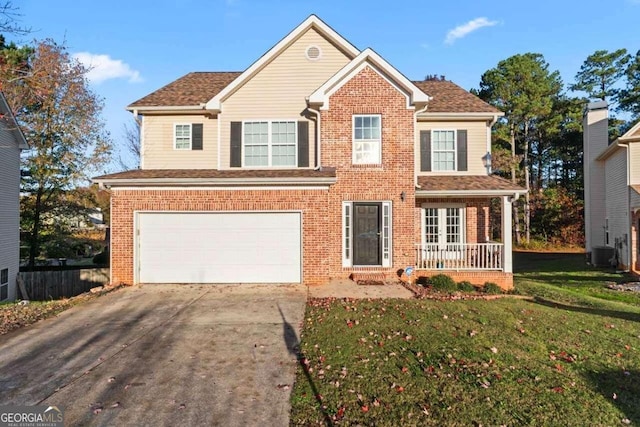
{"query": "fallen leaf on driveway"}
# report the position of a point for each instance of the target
(112, 379)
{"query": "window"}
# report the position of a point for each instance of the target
(606, 231)
(442, 226)
(366, 139)
(4, 284)
(270, 143)
(443, 145)
(182, 136)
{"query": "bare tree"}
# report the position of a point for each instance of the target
(9, 17)
(131, 145)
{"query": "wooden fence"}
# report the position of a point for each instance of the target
(55, 284)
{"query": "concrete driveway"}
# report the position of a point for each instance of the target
(162, 355)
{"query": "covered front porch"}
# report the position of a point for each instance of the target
(455, 233)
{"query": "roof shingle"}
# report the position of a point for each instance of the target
(197, 88)
(218, 174)
(466, 183)
(448, 97)
(191, 89)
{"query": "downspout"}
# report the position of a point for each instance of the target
(415, 132)
(629, 212)
(318, 165)
(493, 122)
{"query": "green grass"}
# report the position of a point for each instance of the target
(569, 355)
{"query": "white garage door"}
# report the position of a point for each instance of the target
(219, 247)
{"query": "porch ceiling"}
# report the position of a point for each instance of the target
(466, 185)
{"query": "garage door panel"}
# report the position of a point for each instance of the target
(219, 247)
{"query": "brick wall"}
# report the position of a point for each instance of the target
(476, 213)
(504, 280)
(312, 204)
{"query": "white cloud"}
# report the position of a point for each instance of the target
(462, 30)
(103, 67)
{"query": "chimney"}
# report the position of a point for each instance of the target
(595, 141)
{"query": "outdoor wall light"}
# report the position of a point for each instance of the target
(486, 161)
(403, 196)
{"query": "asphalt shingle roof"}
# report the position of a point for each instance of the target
(196, 88)
(466, 182)
(219, 174)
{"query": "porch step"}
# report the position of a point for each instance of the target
(365, 277)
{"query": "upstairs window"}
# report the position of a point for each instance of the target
(367, 141)
(270, 143)
(443, 144)
(182, 136)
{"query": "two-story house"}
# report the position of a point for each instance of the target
(320, 161)
(11, 142)
(611, 191)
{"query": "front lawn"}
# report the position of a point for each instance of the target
(569, 355)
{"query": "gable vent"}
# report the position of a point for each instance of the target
(313, 53)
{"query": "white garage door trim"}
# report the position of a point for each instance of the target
(260, 262)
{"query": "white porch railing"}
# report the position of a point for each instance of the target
(460, 256)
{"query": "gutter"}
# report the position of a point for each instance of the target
(231, 182)
(470, 193)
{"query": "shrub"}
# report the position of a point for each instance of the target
(442, 282)
(466, 286)
(491, 288)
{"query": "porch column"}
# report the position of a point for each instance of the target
(507, 236)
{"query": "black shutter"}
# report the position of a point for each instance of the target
(462, 150)
(303, 144)
(196, 136)
(425, 150)
(236, 144)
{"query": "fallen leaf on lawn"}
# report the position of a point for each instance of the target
(115, 405)
(615, 396)
(404, 369)
(494, 350)
(626, 421)
(472, 333)
(182, 406)
(283, 386)
(627, 347)
(376, 402)
(399, 389)
(558, 367)
(557, 390)
(365, 408)
(340, 413)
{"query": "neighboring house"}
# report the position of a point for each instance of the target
(611, 191)
(11, 142)
(320, 161)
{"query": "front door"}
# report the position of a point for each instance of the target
(366, 234)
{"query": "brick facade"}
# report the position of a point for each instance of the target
(322, 231)
(369, 93)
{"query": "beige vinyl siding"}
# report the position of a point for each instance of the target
(617, 204)
(634, 163)
(280, 89)
(476, 144)
(158, 138)
(595, 141)
(9, 207)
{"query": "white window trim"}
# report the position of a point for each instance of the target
(175, 137)
(455, 150)
(463, 219)
(353, 139)
(269, 143)
(386, 233)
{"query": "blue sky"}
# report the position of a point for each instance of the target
(138, 46)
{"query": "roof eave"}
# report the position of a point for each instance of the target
(164, 108)
(469, 193)
(451, 115)
(224, 182)
(612, 148)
